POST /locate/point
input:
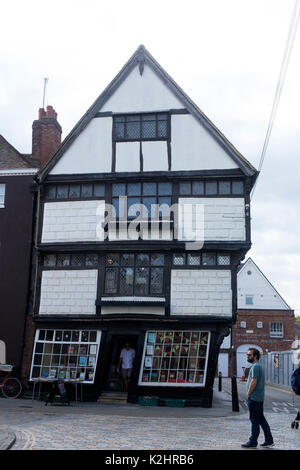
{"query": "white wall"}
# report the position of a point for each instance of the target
(224, 218)
(201, 292)
(91, 152)
(128, 156)
(71, 221)
(155, 156)
(141, 93)
(69, 292)
(264, 295)
(193, 148)
(226, 344)
(223, 364)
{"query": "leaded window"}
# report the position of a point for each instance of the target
(141, 199)
(175, 358)
(74, 191)
(135, 127)
(65, 260)
(138, 274)
(201, 258)
(211, 188)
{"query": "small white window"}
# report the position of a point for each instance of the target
(243, 324)
(2, 195)
(259, 324)
(276, 329)
(249, 299)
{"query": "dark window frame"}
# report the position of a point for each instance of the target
(140, 118)
(56, 186)
(206, 193)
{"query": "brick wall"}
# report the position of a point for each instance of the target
(261, 336)
(69, 292)
(201, 292)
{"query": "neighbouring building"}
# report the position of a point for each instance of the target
(17, 206)
(264, 321)
(100, 281)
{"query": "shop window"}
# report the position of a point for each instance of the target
(276, 329)
(175, 358)
(138, 274)
(66, 354)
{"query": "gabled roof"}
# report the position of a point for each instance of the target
(10, 158)
(140, 58)
(249, 261)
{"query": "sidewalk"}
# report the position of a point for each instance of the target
(7, 439)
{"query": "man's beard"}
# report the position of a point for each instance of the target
(250, 360)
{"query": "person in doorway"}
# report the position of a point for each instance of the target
(127, 356)
(255, 394)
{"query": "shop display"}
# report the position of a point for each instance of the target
(175, 357)
(64, 350)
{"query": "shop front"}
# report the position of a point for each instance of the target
(170, 362)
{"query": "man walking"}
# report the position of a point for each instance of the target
(126, 360)
(255, 393)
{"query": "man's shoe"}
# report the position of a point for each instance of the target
(249, 445)
(266, 445)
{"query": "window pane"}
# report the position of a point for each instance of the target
(149, 130)
(142, 259)
(77, 260)
(164, 206)
(132, 130)
(162, 116)
(179, 259)
(87, 190)
(112, 259)
(127, 259)
(198, 188)
(157, 259)
(147, 202)
(119, 130)
(74, 191)
(193, 259)
(162, 129)
(63, 260)
(224, 187)
(67, 336)
(134, 206)
(208, 259)
(156, 280)
(185, 188)
(134, 189)
(111, 280)
(237, 187)
(223, 260)
(50, 260)
(50, 192)
(165, 189)
(58, 335)
(91, 260)
(99, 190)
(149, 189)
(62, 191)
(141, 281)
(126, 281)
(211, 187)
(119, 189)
(148, 117)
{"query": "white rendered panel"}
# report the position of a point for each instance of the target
(155, 156)
(142, 93)
(193, 148)
(68, 292)
(91, 151)
(72, 221)
(224, 218)
(201, 292)
(128, 156)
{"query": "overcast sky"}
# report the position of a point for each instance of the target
(225, 54)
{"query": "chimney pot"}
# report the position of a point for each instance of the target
(46, 135)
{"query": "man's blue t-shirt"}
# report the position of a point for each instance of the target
(256, 372)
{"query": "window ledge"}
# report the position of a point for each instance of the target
(142, 301)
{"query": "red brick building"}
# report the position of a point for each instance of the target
(264, 321)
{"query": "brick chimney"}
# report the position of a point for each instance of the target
(46, 135)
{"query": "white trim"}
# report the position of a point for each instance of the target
(133, 299)
(19, 171)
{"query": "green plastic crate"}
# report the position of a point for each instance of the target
(148, 401)
(175, 403)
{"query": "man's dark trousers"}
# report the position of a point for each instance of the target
(256, 409)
